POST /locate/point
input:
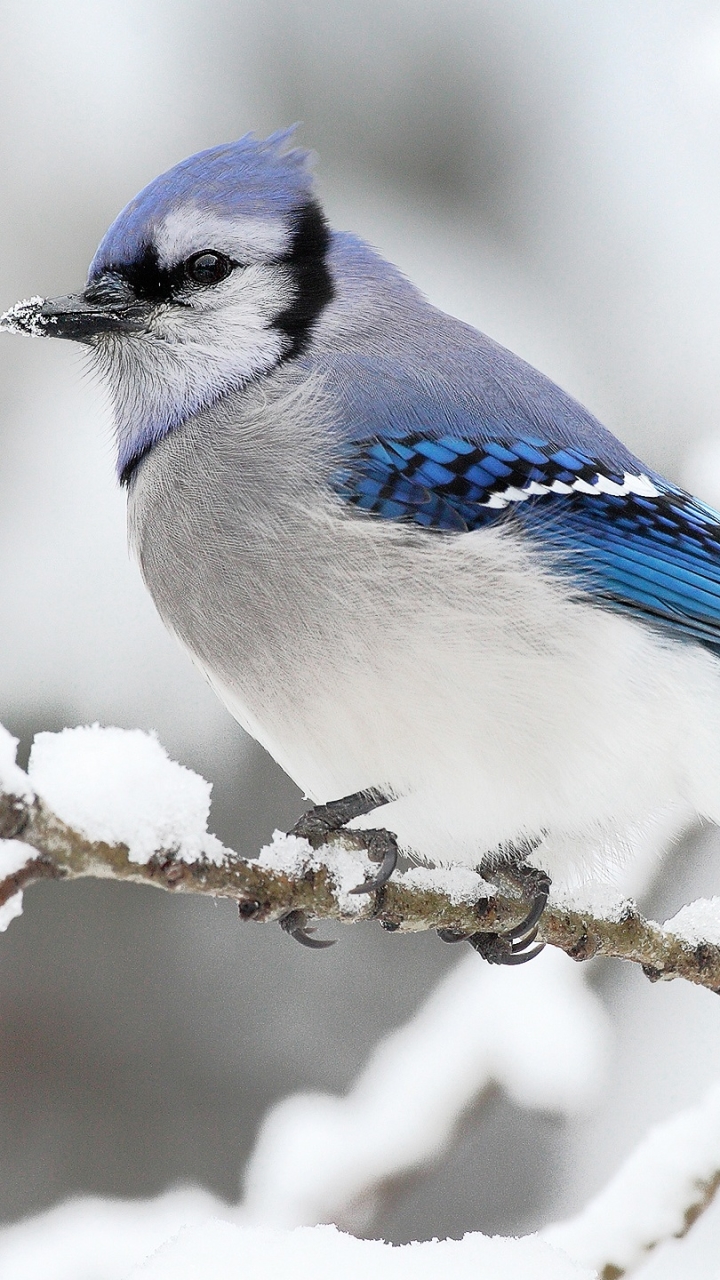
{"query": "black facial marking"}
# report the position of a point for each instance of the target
(314, 289)
(152, 283)
(313, 282)
(130, 467)
(148, 280)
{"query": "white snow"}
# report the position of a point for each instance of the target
(594, 897)
(461, 884)
(24, 318)
(286, 853)
(537, 1031)
(347, 868)
(189, 1235)
(12, 778)
(120, 786)
(223, 1251)
(13, 856)
(95, 1239)
(10, 910)
(697, 922)
(648, 1197)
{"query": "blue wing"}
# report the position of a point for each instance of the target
(631, 540)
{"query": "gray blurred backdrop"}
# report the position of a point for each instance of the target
(547, 170)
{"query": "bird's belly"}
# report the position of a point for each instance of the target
(567, 723)
(453, 672)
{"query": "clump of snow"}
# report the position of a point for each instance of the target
(189, 1235)
(595, 898)
(697, 922)
(460, 884)
(12, 778)
(537, 1031)
(25, 317)
(13, 856)
(10, 910)
(348, 871)
(294, 855)
(95, 1239)
(648, 1198)
(120, 786)
(225, 1251)
(287, 854)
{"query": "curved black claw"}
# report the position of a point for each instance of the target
(382, 848)
(515, 945)
(524, 956)
(295, 923)
(541, 888)
(522, 944)
(499, 948)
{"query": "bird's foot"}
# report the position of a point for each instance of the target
(515, 945)
(380, 845)
(505, 948)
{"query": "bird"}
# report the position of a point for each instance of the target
(427, 580)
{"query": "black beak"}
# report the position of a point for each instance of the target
(106, 306)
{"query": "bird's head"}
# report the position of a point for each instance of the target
(209, 278)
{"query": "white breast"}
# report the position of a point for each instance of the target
(451, 669)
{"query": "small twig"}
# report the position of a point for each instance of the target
(264, 894)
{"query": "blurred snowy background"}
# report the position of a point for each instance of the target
(548, 171)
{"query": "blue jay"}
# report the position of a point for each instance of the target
(420, 574)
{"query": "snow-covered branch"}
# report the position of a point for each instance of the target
(658, 1193)
(109, 803)
(538, 1033)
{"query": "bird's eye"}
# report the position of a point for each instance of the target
(208, 267)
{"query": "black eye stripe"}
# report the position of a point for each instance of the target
(148, 280)
(306, 259)
(153, 283)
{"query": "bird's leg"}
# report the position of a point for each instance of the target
(514, 946)
(317, 824)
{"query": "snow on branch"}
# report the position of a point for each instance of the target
(537, 1032)
(110, 803)
(187, 1235)
(658, 1193)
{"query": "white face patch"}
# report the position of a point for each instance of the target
(640, 485)
(192, 355)
(246, 240)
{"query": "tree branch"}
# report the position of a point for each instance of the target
(264, 893)
(656, 1195)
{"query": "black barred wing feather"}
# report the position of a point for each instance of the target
(634, 542)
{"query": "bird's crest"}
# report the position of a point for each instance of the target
(255, 177)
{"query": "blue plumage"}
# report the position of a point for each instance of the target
(655, 552)
(253, 177)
